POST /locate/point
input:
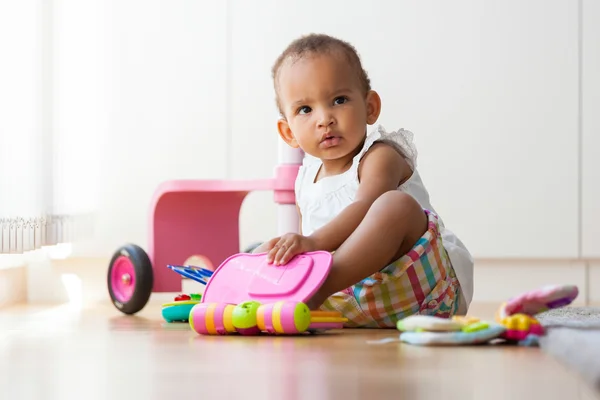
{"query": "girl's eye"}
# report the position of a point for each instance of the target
(304, 110)
(340, 100)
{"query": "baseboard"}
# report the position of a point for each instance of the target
(498, 280)
(13, 286)
(495, 280)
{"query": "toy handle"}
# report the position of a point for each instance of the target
(289, 161)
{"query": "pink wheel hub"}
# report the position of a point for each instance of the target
(122, 279)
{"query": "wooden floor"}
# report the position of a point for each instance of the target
(64, 353)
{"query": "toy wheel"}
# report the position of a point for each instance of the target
(130, 279)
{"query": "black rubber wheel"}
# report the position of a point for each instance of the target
(130, 279)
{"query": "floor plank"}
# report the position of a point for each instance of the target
(97, 353)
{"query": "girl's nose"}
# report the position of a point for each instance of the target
(326, 119)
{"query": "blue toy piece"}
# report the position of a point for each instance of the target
(178, 311)
(198, 274)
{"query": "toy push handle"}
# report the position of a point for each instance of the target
(289, 161)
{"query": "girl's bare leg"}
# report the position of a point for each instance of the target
(389, 230)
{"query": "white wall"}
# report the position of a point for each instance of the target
(21, 119)
(148, 78)
(167, 106)
(490, 89)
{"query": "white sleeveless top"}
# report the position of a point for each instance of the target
(321, 201)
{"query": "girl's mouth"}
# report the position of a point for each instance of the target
(330, 141)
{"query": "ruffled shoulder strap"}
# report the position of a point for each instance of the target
(401, 139)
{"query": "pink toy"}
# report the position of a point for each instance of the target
(244, 277)
(252, 318)
(195, 218)
(540, 300)
(247, 295)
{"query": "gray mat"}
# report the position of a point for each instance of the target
(573, 338)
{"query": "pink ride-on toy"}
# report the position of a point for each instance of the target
(195, 218)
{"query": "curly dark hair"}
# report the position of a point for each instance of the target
(319, 44)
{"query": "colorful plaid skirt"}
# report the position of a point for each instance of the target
(420, 282)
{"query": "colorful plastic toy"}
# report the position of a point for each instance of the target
(247, 295)
(195, 218)
(244, 277)
(483, 334)
(515, 321)
(538, 301)
(429, 323)
(520, 326)
(179, 309)
(430, 330)
(252, 318)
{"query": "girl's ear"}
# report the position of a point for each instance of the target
(286, 133)
(373, 107)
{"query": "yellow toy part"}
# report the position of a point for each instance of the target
(420, 323)
(465, 319)
(520, 326)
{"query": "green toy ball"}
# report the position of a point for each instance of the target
(244, 315)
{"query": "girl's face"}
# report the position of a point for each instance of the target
(325, 108)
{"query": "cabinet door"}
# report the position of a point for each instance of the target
(488, 88)
(590, 90)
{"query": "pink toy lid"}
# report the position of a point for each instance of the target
(244, 277)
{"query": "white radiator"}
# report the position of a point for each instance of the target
(18, 235)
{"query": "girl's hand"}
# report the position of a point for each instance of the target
(282, 249)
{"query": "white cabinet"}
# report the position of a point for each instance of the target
(490, 90)
(590, 91)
